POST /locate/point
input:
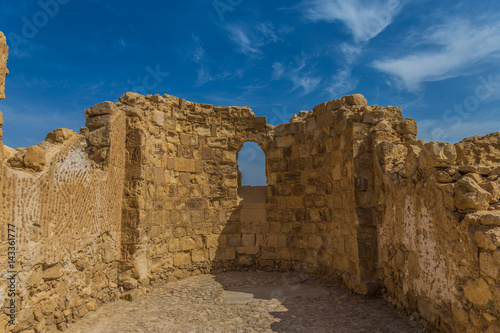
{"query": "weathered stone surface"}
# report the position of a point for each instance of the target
(469, 195)
(34, 158)
(490, 264)
(478, 292)
(3, 64)
(104, 108)
(437, 155)
(59, 135)
(53, 273)
(356, 99)
(488, 238)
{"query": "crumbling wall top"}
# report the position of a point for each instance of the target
(4, 51)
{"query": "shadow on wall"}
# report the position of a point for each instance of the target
(298, 303)
(240, 242)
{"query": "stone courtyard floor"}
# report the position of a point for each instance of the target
(246, 302)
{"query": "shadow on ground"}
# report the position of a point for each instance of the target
(310, 305)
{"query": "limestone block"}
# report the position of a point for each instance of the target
(493, 187)
(489, 218)
(53, 273)
(99, 137)
(478, 292)
(490, 264)
(34, 158)
(469, 195)
(98, 121)
(356, 99)
(407, 126)
(59, 135)
(182, 259)
(131, 98)
(184, 165)
(443, 177)
(131, 111)
(373, 116)
(104, 108)
(488, 238)
(437, 154)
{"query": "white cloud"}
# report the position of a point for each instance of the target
(278, 70)
(342, 83)
(198, 52)
(204, 75)
(459, 44)
(295, 72)
(250, 41)
(365, 19)
(435, 130)
(305, 81)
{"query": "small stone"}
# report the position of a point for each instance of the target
(104, 108)
(52, 273)
(443, 177)
(437, 154)
(478, 292)
(356, 99)
(469, 195)
(59, 135)
(468, 168)
(34, 158)
(130, 284)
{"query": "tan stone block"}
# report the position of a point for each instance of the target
(253, 215)
(227, 253)
(200, 255)
(34, 158)
(187, 243)
(294, 202)
(268, 253)
(251, 250)
(174, 245)
(53, 273)
(248, 240)
(233, 240)
(251, 227)
(478, 292)
(490, 264)
(182, 259)
(184, 165)
(199, 166)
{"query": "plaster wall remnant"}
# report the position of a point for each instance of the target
(149, 192)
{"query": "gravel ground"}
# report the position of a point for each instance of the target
(246, 302)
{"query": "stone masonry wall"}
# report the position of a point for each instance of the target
(180, 214)
(439, 233)
(65, 209)
(149, 191)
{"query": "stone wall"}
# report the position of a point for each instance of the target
(438, 241)
(65, 211)
(149, 191)
(180, 213)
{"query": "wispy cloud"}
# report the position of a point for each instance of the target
(250, 40)
(433, 130)
(459, 44)
(365, 19)
(342, 83)
(296, 72)
(204, 74)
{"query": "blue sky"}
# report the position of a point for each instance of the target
(439, 60)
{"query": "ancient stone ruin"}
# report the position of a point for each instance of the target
(149, 191)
